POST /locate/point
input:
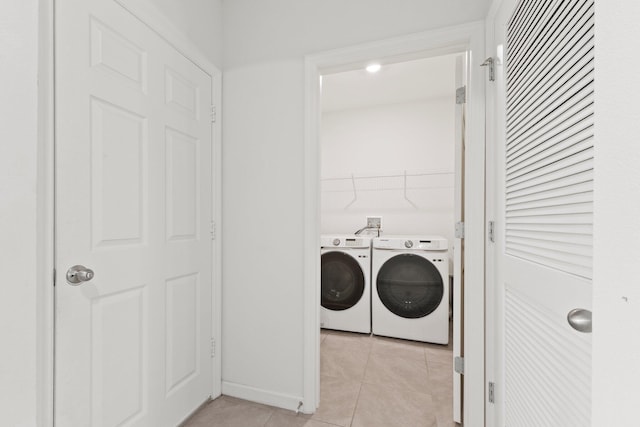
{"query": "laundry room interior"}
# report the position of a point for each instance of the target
(388, 148)
(391, 150)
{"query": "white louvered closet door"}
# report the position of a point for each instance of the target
(547, 73)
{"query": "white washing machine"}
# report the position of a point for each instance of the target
(345, 282)
(410, 288)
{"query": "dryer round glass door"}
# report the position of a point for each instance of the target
(342, 281)
(410, 286)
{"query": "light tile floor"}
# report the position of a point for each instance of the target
(366, 381)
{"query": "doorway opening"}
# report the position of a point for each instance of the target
(391, 193)
(465, 39)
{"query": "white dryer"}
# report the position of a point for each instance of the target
(346, 289)
(410, 288)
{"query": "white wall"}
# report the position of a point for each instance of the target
(263, 157)
(416, 137)
(258, 31)
(616, 291)
(18, 211)
(262, 232)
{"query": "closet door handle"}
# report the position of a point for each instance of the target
(580, 320)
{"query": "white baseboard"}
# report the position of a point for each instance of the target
(266, 397)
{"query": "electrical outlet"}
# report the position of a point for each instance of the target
(374, 222)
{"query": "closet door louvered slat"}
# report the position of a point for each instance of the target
(546, 246)
(549, 87)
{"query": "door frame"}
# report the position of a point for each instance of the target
(495, 201)
(149, 15)
(457, 39)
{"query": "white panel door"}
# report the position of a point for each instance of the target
(134, 204)
(544, 153)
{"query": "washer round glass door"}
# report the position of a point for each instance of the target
(410, 286)
(342, 281)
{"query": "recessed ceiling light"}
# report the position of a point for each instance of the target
(373, 68)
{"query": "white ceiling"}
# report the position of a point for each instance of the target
(394, 83)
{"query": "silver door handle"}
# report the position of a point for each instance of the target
(580, 320)
(79, 274)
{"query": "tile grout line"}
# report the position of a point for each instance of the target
(433, 398)
(355, 407)
(426, 362)
(269, 419)
(353, 415)
(400, 387)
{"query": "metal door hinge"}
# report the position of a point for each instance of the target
(212, 230)
(492, 394)
(213, 348)
(461, 95)
(213, 114)
(490, 62)
(458, 365)
(459, 234)
(492, 232)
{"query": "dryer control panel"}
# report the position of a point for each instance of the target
(425, 243)
(430, 245)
